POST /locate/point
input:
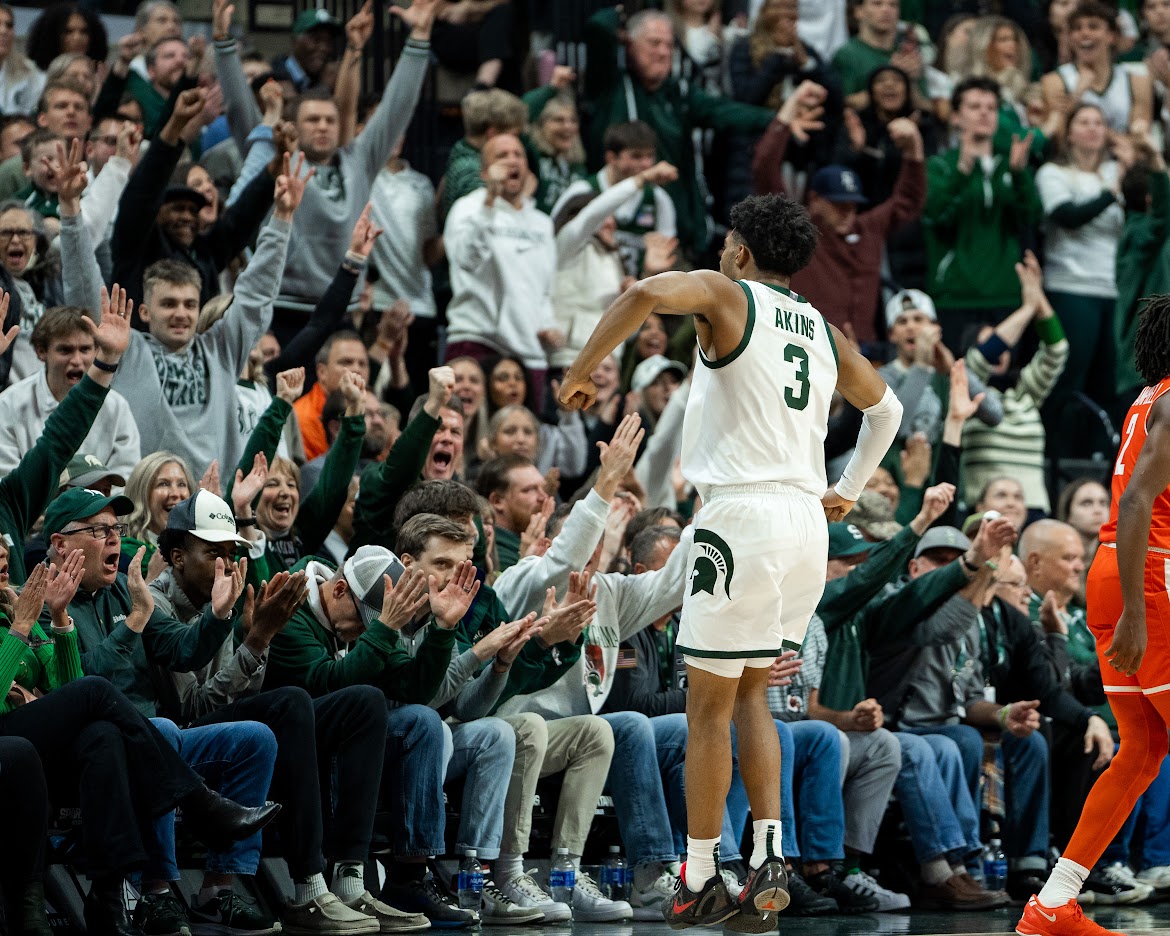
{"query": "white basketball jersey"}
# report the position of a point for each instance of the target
(760, 414)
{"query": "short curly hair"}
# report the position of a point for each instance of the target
(778, 231)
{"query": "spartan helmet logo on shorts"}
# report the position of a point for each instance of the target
(714, 560)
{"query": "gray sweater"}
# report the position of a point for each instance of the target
(199, 434)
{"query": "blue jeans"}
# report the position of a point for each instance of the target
(1025, 833)
(644, 751)
(932, 788)
(1150, 819)
(483, 752)
(412, 781)
(810, 752)
(236, 760)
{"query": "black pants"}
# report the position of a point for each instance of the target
(23, 789)
(328, 764)
(97, 748)
(1072, 778)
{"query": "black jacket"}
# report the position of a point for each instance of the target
(639, 687)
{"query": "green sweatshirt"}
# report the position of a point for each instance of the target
(973, 225)
(35, 662)
(110, 649)
(553, 173)
(535, 668)
(308, 654)
(318, 512)
(384, 483)
(28, 489)
(1143, 269)
(671, 110)
(890, 618)
(507, 548)
(844, 597)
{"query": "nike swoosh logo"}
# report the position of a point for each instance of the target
(683, 908)
(1050, 917)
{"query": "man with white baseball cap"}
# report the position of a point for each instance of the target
(346, 728)
(346, 634)
(656, 379)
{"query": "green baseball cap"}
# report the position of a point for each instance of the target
(313, 19)
(79, 503)
(845, 539)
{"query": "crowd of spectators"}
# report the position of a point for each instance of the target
(285, 487)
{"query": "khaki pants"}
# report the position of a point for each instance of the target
(581, 746)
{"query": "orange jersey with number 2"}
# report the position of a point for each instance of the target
(1132, 439)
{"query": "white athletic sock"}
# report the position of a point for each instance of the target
(702, 861)
(309, 888)
(207, 894)
(936, 871)
(507, 868)
(1064, 884)
(349, 880)
(765, 841)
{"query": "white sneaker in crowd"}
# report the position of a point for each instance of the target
(861, 883)
(524, 892)
(1157, 878)
(649, 901)
(590, 905)
(498, 909)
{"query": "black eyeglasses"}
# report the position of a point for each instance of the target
(101, 531)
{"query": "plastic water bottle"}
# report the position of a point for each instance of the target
(470, 881)
(995, 866)
(615, 878)
(562, 877)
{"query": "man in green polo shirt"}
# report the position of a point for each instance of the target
(880, 40)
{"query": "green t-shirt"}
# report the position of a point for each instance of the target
(855, 62)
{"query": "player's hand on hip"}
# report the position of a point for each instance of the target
(576, 393)
(836, 507)
(1129, 643)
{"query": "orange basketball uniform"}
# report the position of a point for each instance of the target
(1103, 588)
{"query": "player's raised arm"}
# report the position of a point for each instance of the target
(1150, 478)
(704, 293)
(881, 413)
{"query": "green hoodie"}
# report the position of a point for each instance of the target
(973, 225)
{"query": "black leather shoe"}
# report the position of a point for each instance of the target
(106, 913)
(26, 909)
(218, 821)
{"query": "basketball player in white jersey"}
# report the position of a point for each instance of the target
(753, 446)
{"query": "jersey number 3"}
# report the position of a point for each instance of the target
(797, 399)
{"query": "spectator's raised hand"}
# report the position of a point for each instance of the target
(916, 461)
(992, 537)
(31, 600)
(802, 110)
(112, 334)
(130, 46)
(129, 145)
(221, 19)
(365, 232)
(69, 171)
(661, 173)
(441, 385)
(63, 582)
(248, 487)
(401, 603)
(617, 456)
(142, 606)
(188, 107)
(660, 256)
(290, 187)
(280, 598)
(567, 619)
(935, 501)
(562, 77)
(962, 406)
(210, 479)
(552, 481)
(271, 103)
(227, 586)
(906, 136)
(784, 668)
(290, 384)
(6, 338)
(353, 389)
(420, 16)
(451, 603)
(1021, 151)
(196, 50)
(855, 131)
(1052, 617)
(394, 330)
(359, 28)
(533, 542)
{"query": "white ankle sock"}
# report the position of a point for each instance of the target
(702, 862)
(349, 880)
(309, 888)
(936, 871)
(507, 867)
(765, 841)
(1064, 884)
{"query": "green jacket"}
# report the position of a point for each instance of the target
(507, 548)
(28, 489)
(886, 620)
(384, 483)
(318, 512)
(844, 597)
(110, 649)
(310, 655)
(1143, 269)
(154, 105)
(36, 662)
(973, 225)
(671, 110)
(553, 174)
(535, 668)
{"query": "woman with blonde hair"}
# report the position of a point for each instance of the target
(556, 133)
(21, 82)
(76, 67)
(156, 484)
(998, 49)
